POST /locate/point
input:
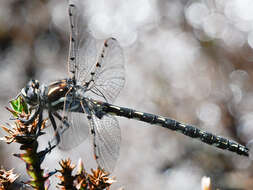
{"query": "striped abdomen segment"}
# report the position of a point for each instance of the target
(174, 125)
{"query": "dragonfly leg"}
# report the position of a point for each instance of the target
(64, 121)
(47, 150)
(57, 136)
(32, 118)
(40, 120)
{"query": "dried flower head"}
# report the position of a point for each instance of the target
(66, 178)
(81, 181)
(27, 134)
(20, 132)
(7, 178)
(98, 180)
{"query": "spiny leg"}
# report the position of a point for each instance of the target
(64, 121)
(31, 118)
(40, 120)
(50, 147)
(57, 136)
(38, 113)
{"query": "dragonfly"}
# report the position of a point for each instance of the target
(82, 104)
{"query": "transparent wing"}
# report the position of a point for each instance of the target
(108, 77)
(106, 140)
(82, 54)
(82, 49)
(103, 74)
(103, 77)
(75, 133)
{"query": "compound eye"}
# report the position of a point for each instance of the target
(36, 84)
(31, 94)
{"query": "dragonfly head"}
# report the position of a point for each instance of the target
(30, 92)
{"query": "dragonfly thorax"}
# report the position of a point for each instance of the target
(30, 92)
(80, 92)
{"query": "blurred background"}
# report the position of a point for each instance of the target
(186, 59)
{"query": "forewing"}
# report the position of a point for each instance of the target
(109, 73)
(82, 56)
(82, 50)
(104, 74)
(106, 140)
(75, 133)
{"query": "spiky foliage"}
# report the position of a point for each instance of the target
(7, 178)
(97, 180)
(66, 178)
(26, 136)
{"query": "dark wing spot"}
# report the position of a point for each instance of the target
(92, 131)
(71, 5)
(72, 58)
(86, 84)
(72, 39)
(88, 117)
(106, 45)
(95, 156)
(70, 14)
(72, 26)
(98, 64)
(92, 73)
